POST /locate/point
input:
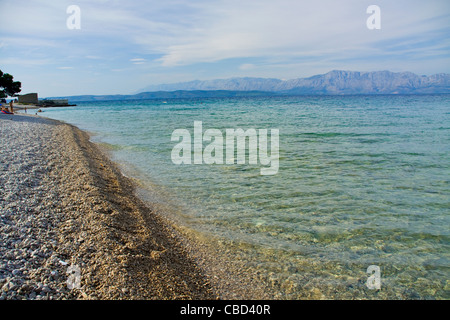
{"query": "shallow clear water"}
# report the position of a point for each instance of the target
(362, 180)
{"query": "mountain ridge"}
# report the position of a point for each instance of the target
(336, 82)
(333, 82)
(177, 94)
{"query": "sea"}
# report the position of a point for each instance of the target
(358, 208)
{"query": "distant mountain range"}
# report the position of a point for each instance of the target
(335, 82)
(178, 94)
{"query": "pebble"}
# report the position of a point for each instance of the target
(27, 201)
(16, 272)
(46, 203)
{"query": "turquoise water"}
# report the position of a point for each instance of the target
(362, 180)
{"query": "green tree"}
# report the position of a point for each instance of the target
(8, 87)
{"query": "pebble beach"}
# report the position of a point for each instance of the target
(72, 228)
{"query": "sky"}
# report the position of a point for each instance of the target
(119, 47)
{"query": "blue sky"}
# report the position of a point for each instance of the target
(123, 46)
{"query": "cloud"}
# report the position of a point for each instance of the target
(93, 57)
(26, 62)
(247, 66)
(208, 39)
(264, 28)
(138, 60)
(190, 32)
(294, 29)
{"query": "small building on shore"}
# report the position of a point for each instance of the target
(31, 98)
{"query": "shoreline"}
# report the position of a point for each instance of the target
(78, 209)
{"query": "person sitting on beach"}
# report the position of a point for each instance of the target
(5, 110)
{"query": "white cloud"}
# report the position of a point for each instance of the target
(247, 66)
(188, 32)
(294, 29)
(93, 57)
(17, 61)
(192, 39)
(138, 60)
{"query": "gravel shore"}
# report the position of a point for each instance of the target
(71, 227)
